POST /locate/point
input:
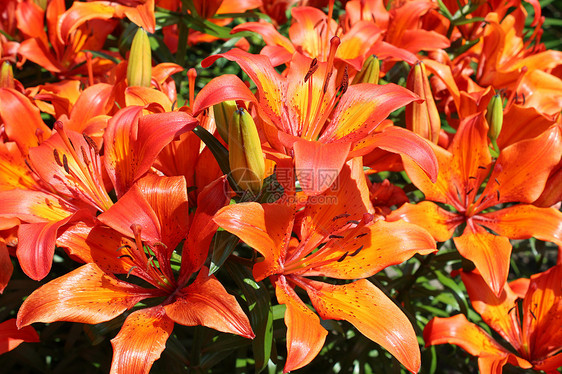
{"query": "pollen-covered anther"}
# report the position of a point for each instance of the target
(91, 143)
(339, 216)
(312, 69)
(57, 157)
(65, 163)
(356, 252)
(85, 156)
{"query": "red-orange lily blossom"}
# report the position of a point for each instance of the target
(310, 34)
(145, 226)
(71, 186)
(60, 51)
(535, 335)
(518, 175)
(354, 245)
(313, 122)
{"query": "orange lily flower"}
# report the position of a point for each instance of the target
(518, 175)
(61, 51)
(403, 23)
(146, 225)
(353, 246)
(70, 185)
(310, 34)
(315, 122)
(11, 336)
(534, 335)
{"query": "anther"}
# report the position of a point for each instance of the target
(313, 67)
(91, 143)
(335, 237)
(85, 156)
(65, 163)
(57, 157)
(357, 251)
(344, 215)
(342, 257)
(131, 270)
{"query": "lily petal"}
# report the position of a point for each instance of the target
(362, 108)
(131, 147)
(22, 120)
(140, 341)
(264, 227)
(522, 169)
(305, 335)
(542, 307)
(439, 222)
(525, 221)
(85, 295)
(442, 190)
(133, 208)
(6, 269)
(496, 310)
(219, 89)
(490, 254)
(168, 198)
(317, 164)
(11, 336)
(202, 229)
(376, 316)
(385, 244)
(271, 86)
(405, 143)
(458, 331)
(205, 302)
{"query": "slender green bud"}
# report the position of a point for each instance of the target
(139, 69)
(6, 75)
(369, 72)
(494, 117)
(223, 113)
(245, 155)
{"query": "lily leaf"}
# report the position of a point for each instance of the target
(261, 312)
(222, 247)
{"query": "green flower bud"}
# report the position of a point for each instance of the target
(369, 72)
(245, 155)
(494, 117)
(139, 68)
(6, 75)
(223, 113)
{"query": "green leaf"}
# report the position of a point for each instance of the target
(222, 246)
(261, 313)
(457, 290)
(219, 152)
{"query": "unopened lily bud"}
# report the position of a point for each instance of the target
(369, 72)
(245, 155)
(6, 75)
(223, 113)
(139, 69)
(41, 3)
(422, 118)
(494, 117)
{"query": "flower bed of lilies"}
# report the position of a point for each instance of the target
(232, 186)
